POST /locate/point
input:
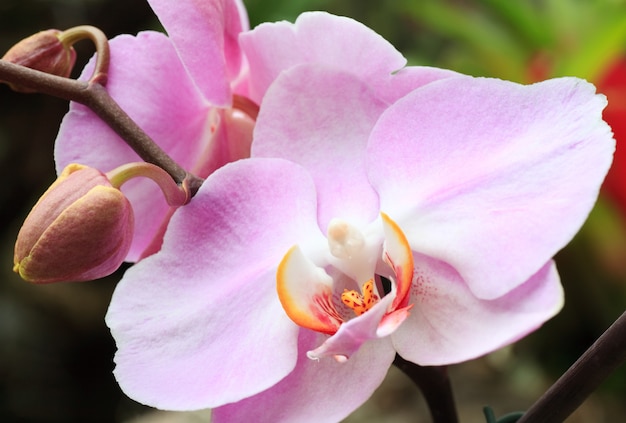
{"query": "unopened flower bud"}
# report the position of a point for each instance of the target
(45, 52)
(80, 229)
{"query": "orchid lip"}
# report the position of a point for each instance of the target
(314, 299)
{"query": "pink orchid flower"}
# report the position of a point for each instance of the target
(179, 89)
(383, 212)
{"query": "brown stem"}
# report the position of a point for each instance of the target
(98, 99)
(53, 85)
(95, 96)
(582, 378)
(435, 386)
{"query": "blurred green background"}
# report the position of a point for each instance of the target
(55, 350)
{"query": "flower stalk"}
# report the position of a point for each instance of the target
(97, 37)
(582, 378)
(435, 386)
(94, 95)
(175, 195)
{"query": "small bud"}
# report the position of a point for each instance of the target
(79, 230)
(45, 52)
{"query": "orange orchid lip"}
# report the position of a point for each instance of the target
(309, 294)
(305, 291)
(398, 255)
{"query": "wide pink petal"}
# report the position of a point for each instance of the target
(205, 35)
(199, 324)
(448, 324)
(150, 84)
(316, 391)
(321, 119)
(408, 79)
(317, 38)
(490, 176)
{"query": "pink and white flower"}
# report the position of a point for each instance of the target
(179, 89)
(384, 211)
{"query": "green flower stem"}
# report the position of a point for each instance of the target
(508, 418)
(95, 96)
(97, 37)
(582, 378)
(435, 386)
(175, 195)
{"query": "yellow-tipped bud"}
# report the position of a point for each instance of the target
(79, 230)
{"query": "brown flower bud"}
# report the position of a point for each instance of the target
(80, 229)
(45, 52)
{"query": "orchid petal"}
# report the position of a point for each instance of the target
(306, 291)
(316, 37)
(229, 138)
(340, 387)
(354, 333)
(158, 95)
(408, 79)
(321, 119)
(176, 315)
(391, 321)
(490, 176)
(448, 324)
(205, 35)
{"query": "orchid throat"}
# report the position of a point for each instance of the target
(364, 282)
